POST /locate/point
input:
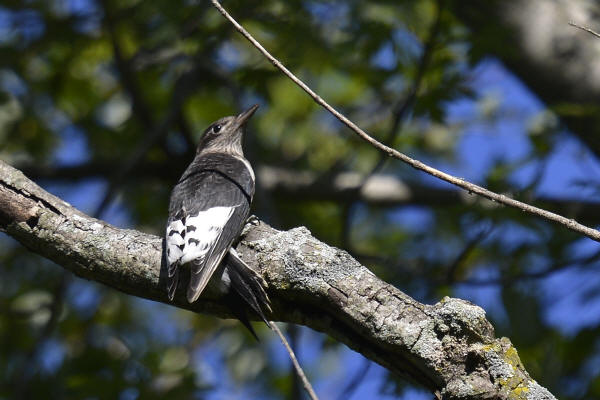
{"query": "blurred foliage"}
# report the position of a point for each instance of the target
(87, 83)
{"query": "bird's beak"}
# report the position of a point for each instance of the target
(245, 116)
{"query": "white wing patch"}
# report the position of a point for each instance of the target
(193, 237)
(175, 241)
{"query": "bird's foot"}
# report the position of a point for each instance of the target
(251, 222)
(253, 219)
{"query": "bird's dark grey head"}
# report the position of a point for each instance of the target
(225, 135)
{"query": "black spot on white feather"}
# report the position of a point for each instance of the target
(190, 228)
(192, 240)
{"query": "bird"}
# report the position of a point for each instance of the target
(208, 208)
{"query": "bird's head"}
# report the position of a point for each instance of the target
(225, 135)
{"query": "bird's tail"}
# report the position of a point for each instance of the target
(250, 286)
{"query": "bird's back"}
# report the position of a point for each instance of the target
(213, 180)
(207, 210)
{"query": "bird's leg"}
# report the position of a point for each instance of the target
(253, 219)
(251, 222)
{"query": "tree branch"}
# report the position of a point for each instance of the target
(583, 28)
(468, 186)
(448, 347)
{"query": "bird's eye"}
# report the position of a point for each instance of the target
(217, 128)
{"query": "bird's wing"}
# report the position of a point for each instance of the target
(208, 208)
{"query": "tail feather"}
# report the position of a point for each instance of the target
(233, 301)
(248, 285)
(172, 284)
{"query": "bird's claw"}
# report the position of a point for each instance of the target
(251, 222)
(253, 219)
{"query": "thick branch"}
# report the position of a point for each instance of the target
(449, 347)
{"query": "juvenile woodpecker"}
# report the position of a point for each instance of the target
(207, 211)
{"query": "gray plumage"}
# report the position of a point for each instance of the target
(207, 211)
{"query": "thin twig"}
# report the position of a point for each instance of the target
(307, 386)
(297, 391)
(583, 28)
(470, 187)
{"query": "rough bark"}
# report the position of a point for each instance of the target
(560, 63)
(448, 347)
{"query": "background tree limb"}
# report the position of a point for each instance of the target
(379, 190)
(557, 61)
